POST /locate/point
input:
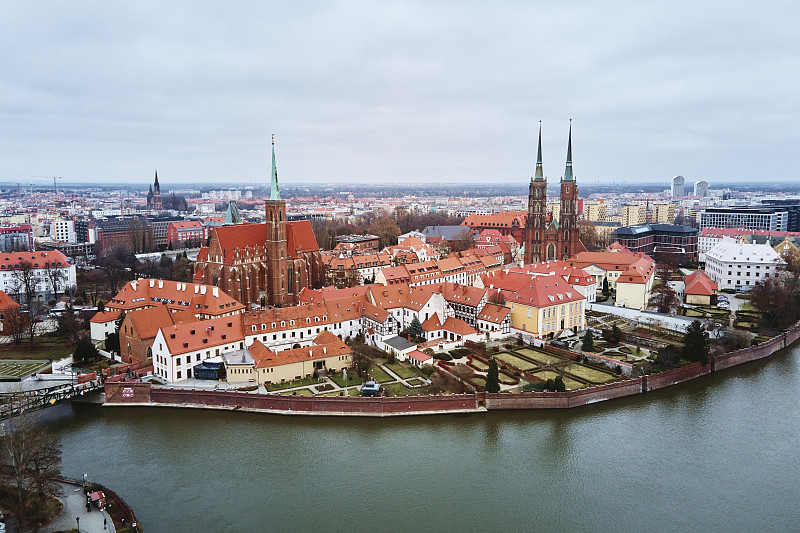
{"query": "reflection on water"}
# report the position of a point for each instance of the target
(716, 454)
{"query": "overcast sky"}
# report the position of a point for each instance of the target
(398, 91)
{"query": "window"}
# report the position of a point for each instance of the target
(178, 374)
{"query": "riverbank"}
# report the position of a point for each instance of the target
(130, 394)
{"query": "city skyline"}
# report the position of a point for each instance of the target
(359, 93)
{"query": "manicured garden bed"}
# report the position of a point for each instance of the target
(301, 392)
(590, 374)
(292, 384)
(543, 358)
(515, 361)
(352, 379)
(570, 383)
(380, 375)
(405, 372)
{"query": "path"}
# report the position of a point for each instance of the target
(75, 507)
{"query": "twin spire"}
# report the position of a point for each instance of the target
(274, 193)
(539, 176)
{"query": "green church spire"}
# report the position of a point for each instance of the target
(568, 170)
(274, 194)
(539, 173)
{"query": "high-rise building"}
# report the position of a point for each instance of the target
(595, 211)
(548, 237)
(63, 230)
(677, 187)
(701, 188)
(773, 218)
(634, 214)
(664, 213)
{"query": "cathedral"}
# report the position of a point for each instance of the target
(546, 238)
(263, 264)
(155, 202)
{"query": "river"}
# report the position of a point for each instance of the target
(716, 454)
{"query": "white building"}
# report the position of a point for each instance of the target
(678, 187)
(47, 270)
(63, 230)
(701, 188)
(738, 265)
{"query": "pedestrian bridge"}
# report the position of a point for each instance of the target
(15, 403)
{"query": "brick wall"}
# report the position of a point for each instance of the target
(675, 376)
(127, 392)
(564, 400)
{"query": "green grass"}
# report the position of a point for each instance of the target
(404, 371)
(296, 383)
(416, 381)
(590, 374)
(480, 382)
(301, 392)
(19, 369)
(380, 375)
(522, 364)
(570, 383)
(352, 379)
(543, 358)
(43, 348)
(398, 389)
(477, 363)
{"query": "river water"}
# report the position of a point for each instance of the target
(721, 453)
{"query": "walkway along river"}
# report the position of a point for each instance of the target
(714, 454)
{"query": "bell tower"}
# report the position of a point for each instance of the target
(276, 245)
(569, 241)
(537, 210)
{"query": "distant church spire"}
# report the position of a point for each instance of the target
(568, 170)
(156, 186)
(539, 173)
(274, 194)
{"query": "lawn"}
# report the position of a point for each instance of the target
(297, 383)
(43, 348)
(543, 358)
(522, 364)
(416, 381)
(570, 383)
(480, 365)
(380, 375)
(405, 372)
(590, 374)
(398, 389)
(352, 379)
(301, 392)
(480, 382)
(18, 369)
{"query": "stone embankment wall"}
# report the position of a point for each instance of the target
(136, 393)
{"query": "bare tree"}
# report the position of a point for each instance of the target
(33, 462)
(496, 297)
(114, 263)
(55, 277)
(16, 321)
(24, 280)
(35, 313)
(664, 299)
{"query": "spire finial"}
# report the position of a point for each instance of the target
(539, 172)
(568, 170)
(274, 194)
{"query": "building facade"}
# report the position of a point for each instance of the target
(757, 218)
(547, 237)
(680, 241)
(737, 265)
(678, 187)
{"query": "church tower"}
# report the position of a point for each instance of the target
(537, 210)
(157, 204)
(276, 245)
(568, 226)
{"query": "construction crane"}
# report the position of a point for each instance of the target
(55, 185)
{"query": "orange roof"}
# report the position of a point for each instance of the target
(332, 293)
(503, 219)
(505, 280)
(545, 291)
(326, 344)
(176, 295)
(573, 275)
(300, 238)
(419, 356)
(187, 224)
(39, 259)
(698, 282)
(460, 294)
(456, 325)
(7, 302)
(494, 313)
(375, 313)
(149, 320)
(202, 334)
(432, 324)
(103, 317)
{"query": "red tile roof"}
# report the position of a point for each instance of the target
(494, 313)
(202, 334)
(38, 259)
(326, 344)
(545, 291)
(176, 295)
(698, 282)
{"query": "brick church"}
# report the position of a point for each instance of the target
(263, 264)
(545, 237)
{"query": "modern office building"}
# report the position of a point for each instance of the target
(660, 238)
(751, 217)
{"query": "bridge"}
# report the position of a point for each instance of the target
(16, 403)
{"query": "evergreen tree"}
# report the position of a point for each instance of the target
(85, 352)
(415, 329)
(606, 291)
(493, 377)
(588, 342)
(696, 344)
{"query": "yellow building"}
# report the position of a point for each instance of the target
(664, 213)
(546, 306)
(327, 353)
(634, 214)
(555, 208)
(595, 211)
(786, 248)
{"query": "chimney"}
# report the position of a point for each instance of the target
(203, 289)
(324, 350)
(161, 284)
(152, 282)
(134, 285)
(196, 288)
(215, 291)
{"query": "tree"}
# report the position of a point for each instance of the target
(493, 377)
(24, 280)
(112, 341)
(17, 322)
(463, 240)
(55, 277)
(606, 290)
(69, 327)
(496, 297)
(777, 301)
(114, 263)
(32, 459)
(663, 299)
(415, 330)
(86, 353)
(386, 229)
(696, 344)
(669, 357)
(36, 310)
(587, 233)
(588, 342)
